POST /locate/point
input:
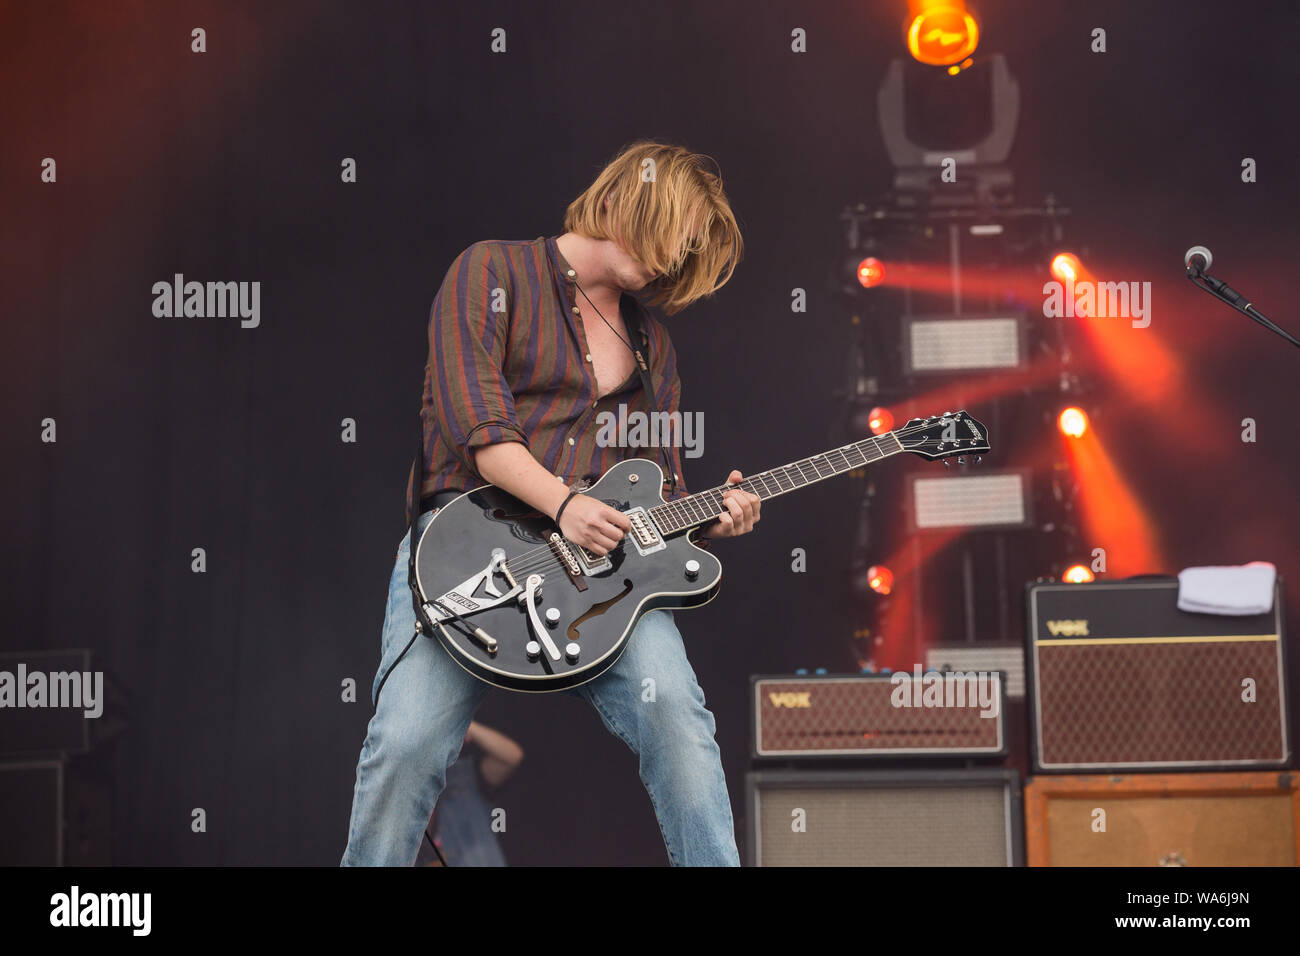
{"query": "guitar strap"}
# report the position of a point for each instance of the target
(627, 305)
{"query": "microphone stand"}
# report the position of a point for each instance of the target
(1230, 296)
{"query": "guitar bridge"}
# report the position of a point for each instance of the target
(571, 566)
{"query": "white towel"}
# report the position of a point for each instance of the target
(1247, 589)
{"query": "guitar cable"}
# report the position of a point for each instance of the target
(462, 626)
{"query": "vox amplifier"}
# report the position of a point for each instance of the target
(1121, 679)
(907, 714)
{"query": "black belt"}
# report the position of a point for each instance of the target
(440, 499)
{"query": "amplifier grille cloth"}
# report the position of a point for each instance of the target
(887, 826)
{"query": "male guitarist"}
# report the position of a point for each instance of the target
(527, 346)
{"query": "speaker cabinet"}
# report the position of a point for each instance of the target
(1122, 680)
(31, 731)
(31, 813)
(55, 812)
(883, 818)
(1193, 819)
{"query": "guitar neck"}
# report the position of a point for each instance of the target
(703, 507)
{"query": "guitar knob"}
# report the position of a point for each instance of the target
(978, 459)
(947, 463)
(961, 459)
(552, 616)
(692, 569)
(571, 652)
(533, 650)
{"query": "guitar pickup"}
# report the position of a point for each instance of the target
(644, 534)
(593, 563)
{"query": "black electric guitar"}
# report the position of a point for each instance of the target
(521, 607)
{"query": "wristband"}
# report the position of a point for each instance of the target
(563, 504)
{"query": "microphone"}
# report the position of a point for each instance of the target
(1197, 260)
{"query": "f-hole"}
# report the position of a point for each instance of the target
(598, 609)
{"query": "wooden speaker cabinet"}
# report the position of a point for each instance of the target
(1186, 819)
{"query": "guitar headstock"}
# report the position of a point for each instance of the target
(952, 433)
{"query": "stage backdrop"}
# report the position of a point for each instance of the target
(176, 434)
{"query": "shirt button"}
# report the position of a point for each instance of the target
(572, 273)
(577, 311)
(589, 357)
(570, 441)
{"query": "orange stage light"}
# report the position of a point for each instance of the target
(1078, 574)
(1073, 422)
(880, 420)
(941, 32)
(1114, 516)
(1066, 268)
(871, 272)
(880, 578)
(1025, 284)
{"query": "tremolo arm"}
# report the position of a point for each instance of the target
(533, 587)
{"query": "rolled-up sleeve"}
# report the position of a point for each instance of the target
(472, 402)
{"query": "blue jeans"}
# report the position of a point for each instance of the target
(427, 703)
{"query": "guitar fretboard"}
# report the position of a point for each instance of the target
(703, 507)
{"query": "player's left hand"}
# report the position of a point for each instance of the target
(742, 511)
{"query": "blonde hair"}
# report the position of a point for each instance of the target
(667, 209)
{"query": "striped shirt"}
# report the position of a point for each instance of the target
(508, 361)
